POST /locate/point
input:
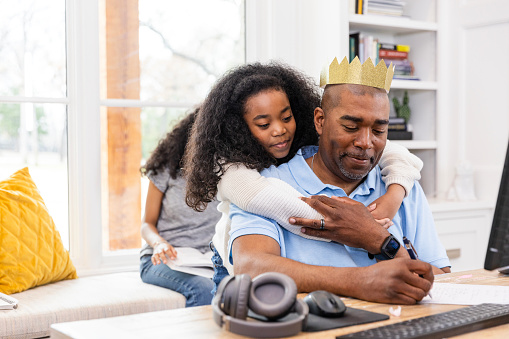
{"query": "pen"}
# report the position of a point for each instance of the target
(410, 249)
(412, 253)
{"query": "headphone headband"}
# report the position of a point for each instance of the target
(258, 329)
(274, 329)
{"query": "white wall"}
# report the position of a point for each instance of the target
(303, 33)
(479, 89)
(473, 72)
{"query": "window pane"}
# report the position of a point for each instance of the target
(184, 46)
(154, 51)
(156, 123)
(35, 136)
(32, 53)
(124, 152)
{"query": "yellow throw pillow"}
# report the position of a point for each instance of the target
(31, 250)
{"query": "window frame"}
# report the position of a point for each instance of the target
(84, 142)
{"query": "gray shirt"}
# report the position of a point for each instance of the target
(178, 224)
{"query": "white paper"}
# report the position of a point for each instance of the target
(188, 256)
(202, 271)
(190, 260)
(7, 302)
(466, 294)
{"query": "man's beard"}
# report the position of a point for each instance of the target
(350, 175)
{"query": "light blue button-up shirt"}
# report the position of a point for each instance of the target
(413, 220)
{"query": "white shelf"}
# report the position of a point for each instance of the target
(417, 144)
(419, 29)
(414, 84)
(393, 24)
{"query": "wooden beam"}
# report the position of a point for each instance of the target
(122, 134)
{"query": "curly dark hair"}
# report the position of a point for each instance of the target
(221, 136)
(170, 150)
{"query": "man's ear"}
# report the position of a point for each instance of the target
(319, 116)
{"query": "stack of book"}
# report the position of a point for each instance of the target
(398, 55)
(378, 7)
(398, 129)
(364, 46)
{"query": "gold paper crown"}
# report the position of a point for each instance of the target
(353, 73)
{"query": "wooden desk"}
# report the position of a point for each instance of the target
(197, 322)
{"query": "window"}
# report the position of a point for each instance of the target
(33, 100)
(159, 59)
(88, 88)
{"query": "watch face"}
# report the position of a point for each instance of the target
(391, 247)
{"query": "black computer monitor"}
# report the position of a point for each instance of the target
(497, 254)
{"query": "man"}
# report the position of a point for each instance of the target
(352, 123)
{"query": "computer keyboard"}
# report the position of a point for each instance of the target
(441, 325)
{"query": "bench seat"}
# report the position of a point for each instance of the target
(91, 297)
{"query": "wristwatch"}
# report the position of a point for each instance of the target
(389, 248)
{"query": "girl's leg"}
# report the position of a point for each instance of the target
(220, 272)
(195, 288)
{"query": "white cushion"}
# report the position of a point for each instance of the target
(85, 298)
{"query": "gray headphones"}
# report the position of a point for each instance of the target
(272, 295)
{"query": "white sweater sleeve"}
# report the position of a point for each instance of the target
(399, 166)
(268, 197)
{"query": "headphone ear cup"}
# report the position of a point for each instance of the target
(272, 295)
(236, 296)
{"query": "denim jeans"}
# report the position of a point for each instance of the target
(220, 272)
(195, 288)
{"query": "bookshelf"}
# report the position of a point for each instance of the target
(309, 34)
(418, 29)
(463, 227)
(390, 24)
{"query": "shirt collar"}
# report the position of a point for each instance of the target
(308, 181)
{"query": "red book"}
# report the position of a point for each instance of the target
(387, 53)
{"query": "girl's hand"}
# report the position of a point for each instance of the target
(161, 251)
(385, 222)
(388, 204)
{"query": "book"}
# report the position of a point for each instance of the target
(396, 120)
(396, 127)
(405, 77)
(394, 47)
(404, 72)
(7, 302)
(368, 49)
(399, 135)
(192, 261)
(352, 6)
(398, 62)
(354, 45)
(384, 7)
(391, 54)
(352, 53)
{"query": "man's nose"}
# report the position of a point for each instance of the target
(364, 139)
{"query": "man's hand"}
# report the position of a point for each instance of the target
(346, 221)
(396, 281)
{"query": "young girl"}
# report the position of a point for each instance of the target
(254, 117)
(169, 222)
